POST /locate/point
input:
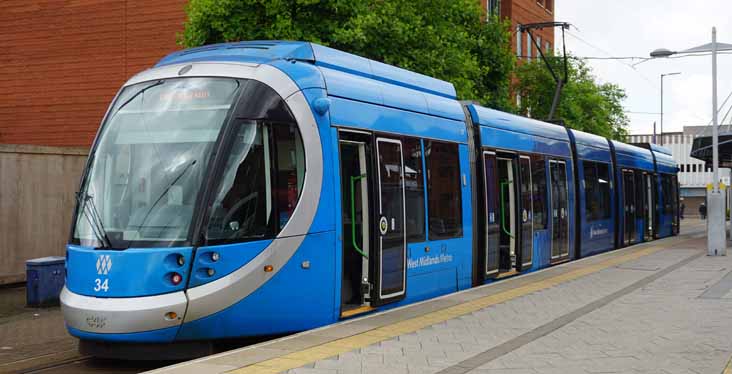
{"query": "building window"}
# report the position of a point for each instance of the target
(549, 5)
(538, 42)
(538, 179)
(548, 48)
(528, 46)
(518, 43)
(414, 190)
(597, 190)
(493, 7)
(443, 190)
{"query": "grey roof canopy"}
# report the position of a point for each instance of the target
(701, 149)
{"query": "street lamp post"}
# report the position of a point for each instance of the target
(664, 75)
(715, 200)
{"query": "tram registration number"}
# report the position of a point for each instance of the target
(101, 285)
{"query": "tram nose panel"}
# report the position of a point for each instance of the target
(134, 272)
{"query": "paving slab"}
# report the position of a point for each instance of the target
(659, 307)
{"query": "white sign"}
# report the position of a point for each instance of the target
(429, 260)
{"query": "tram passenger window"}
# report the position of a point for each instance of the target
(260, 185)
(597, 190)
(414, 190)
(538, 178)
(443, 190)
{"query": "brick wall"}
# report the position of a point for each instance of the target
(62, 62)
(524, 12)
(529, 11)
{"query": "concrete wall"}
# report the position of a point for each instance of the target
(37, 187)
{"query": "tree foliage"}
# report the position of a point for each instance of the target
(446, 39)
(585, 104)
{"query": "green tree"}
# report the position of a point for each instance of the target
(445, 39)
(585, 104)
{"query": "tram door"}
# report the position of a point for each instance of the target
(356, 213)
(675, 204)
(493, 221)
(560, 210)
(373, 215)
(509, 230)
(629, 207)
(648, 205)
(390, 215)
(527, 216)
(507, 208)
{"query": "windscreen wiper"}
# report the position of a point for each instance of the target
(95, 220)
(158, 83)
(170, 185)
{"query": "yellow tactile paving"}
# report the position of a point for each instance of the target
(728, 367)
(340, 346)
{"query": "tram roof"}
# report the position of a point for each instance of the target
(494, 118)
(591, 140)
(267, 52)
(629, 155)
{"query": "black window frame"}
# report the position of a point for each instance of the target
(452, 164)
(539, 191)
(418, 164)
(597, 200)
(274, 225)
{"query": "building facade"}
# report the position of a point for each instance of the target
(63, 61)
(694, 175)
(521, 12)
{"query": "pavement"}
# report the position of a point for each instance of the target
(31, 337)
(659, 307)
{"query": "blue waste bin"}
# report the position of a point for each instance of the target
(44, 280)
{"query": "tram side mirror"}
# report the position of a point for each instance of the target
(234, 225)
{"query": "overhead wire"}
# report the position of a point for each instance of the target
(643, 59)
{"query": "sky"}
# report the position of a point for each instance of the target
(633, 28)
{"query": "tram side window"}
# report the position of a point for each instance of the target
(597, 190)
(260, 185)
(538, 179)
(414, 190)
(289, 167)
(443, 190)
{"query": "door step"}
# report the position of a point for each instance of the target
(356, 311)
(507, 274)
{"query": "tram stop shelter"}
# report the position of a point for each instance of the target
(701, 148)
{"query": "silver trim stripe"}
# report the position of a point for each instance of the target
(121, 315)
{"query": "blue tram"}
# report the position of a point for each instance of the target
(262, 188)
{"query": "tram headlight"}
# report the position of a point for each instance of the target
(210, 272)
(214, 256)
(181, 260)
(176, 279)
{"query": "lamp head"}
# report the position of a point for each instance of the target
(662, 52)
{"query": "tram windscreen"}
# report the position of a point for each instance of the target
(149, 162)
